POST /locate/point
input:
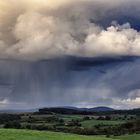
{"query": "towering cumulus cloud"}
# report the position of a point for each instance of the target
(42, 29)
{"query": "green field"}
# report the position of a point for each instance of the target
(130, 137)
(92, 123)
(69, 117)
(11, 134)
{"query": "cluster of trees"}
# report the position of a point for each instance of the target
(12, 124)
(73, 122)
(8, 118)
(58, 111)
(117, 130)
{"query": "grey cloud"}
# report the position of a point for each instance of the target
(35, 30)
(54, 82)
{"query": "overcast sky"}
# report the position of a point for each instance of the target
(82, 53)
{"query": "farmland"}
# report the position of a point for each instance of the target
(88, 124)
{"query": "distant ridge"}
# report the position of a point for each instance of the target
(95, 109)
(100, 108)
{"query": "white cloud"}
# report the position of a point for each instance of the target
(134, 101)
(44, 29)
(4, 102)
(116, 40)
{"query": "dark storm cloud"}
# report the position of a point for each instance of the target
(79, 51)
(55, 82)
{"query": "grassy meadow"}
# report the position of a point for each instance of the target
(130, 137)
(92, 123)
(12, 134)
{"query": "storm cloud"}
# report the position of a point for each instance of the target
(36, 29)
(70, 81)
(81, 53)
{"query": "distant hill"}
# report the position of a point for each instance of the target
(74, 110)
(102, 108)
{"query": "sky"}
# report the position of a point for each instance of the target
(82, 53)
